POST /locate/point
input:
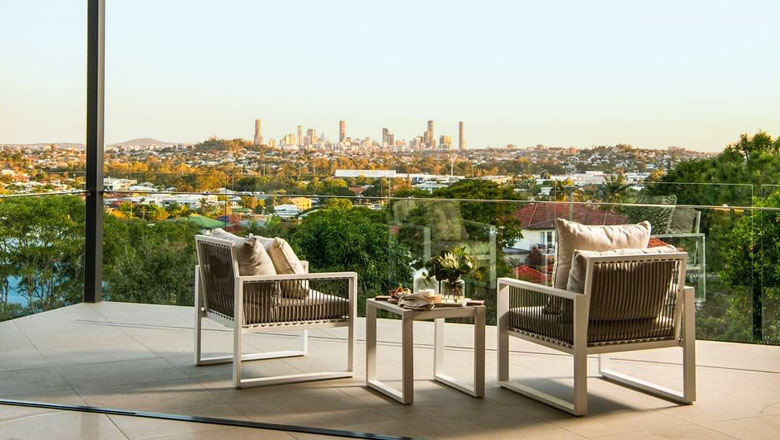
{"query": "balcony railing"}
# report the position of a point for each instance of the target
(149, 245)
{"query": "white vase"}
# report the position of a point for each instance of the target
(421, 281)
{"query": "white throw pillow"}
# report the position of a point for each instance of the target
(575, 236)
(286, 262)
(252, 256)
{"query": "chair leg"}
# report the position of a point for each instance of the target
(198, 318)
(198, 336)
(579, 404)
(503, 355)
(503, 336)
(580, 382)
(689, 346)
(689, 372)
(688, 343)
(304, 342)
(303, 345)
(577, 407)
(651, 388)
(292, 378)
(237, 357)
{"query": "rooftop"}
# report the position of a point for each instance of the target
(139, 357)
(543, 215)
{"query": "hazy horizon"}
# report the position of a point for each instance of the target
(688, 73)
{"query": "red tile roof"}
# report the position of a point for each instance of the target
(542, 215)
(358, 190)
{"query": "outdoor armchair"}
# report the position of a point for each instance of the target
(263, 303)
(629, 302)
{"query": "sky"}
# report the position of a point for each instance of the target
(651, 73)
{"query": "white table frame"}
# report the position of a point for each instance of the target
(406, 394)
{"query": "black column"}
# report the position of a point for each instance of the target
(93, 259)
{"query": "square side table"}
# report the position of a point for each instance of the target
(406, 394)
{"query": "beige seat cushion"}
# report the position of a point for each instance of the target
(558, 327)
(252, 256)
(316, 306)
(576, 282)
(575, 236)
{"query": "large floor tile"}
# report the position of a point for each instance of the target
(21, 382)
(138, 428)
(150, 396)
(750, 428)
(139, 356)
(61, 425)
(23, 357)
(688, 432)
(108, 374)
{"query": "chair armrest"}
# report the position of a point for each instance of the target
(539, 288)
(537, 310)
(299, 277)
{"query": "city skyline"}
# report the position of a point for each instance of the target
(559, 73)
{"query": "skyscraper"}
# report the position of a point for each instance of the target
(429, 134)
(300, 135)
(258, 135)
(461, 140)
(384, 136)
(342, 131)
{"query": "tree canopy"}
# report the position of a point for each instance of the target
(356, 239)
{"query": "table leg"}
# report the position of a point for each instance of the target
(370, 342)
(407, 358)
(478, 388)
(406, 394)
(438, 346)
(479, 352)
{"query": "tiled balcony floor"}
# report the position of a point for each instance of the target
(138, 357)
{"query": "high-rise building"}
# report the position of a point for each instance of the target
(300, 134)
(342, 131)
(312, 136)
(290, 139)
(429, 135)
(461, 140)
(258, 135)
(384, 136)
(445, 141)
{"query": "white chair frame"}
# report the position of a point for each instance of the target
(239, 328)
(684, 331)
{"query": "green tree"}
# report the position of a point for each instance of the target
(338, 203)
(614, 188)
(149, 263)
(353, 239)
(752, 255)
(499, 214)
(42, 248)
(751, 161)
(742, 249)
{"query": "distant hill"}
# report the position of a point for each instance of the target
(140, 142)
